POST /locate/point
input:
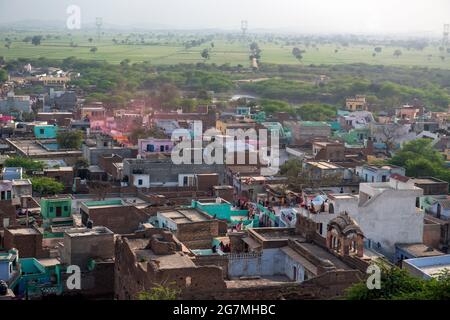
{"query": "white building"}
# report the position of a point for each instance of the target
(357, 119)
(371, 173)
(13, 103)
(386, 213)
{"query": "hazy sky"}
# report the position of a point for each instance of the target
(328, 16)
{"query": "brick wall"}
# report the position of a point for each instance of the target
(327, 286)
(7, 211)
(132, 277)
(198, 235)
(29, 245)
(121, 220)
(95, 284)
(432, 234)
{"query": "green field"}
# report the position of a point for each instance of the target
(172, 51)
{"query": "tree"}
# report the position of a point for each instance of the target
(378, 49)
(205, 54)
(90, 40)
(389, 135)
(3, 75)
(45, 186)
(100, 189)
(298, 53)
(255, 51)
(70, 139)
(168, 95)
(420, 159)
(36, 40)
(25, 163)
(291, 168)
(81, 163)
(8, 46)
(415, 150)
(316, 112)
(125, 63)
(398, 284)
(398, 53)
(144, 133)
(188, 105)
(159, 292)
(94, 49)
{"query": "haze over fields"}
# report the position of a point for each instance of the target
(416, 17)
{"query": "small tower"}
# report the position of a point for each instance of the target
(445, 35)
(99, 24)
(244, 28)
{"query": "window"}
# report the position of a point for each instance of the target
(319, 228)
(51, 209)
(167, 148)
(140, 182)
(8, 194)
(161, 148)
(150, 148)
(3, 195)
(41, 131)
(58, 211)
(383, 179)
(66, 208)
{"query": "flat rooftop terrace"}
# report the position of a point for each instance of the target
(430, 266)
(32, 148)
(323, 254)
(427, 180)
(175, 260)
(185, 215)
(24, 231)
(267, 234)
(85, 232)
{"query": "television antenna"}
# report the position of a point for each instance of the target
(244, 27)
(445, 35)
(99, 24)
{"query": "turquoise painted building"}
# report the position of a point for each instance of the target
(224, 210)
(56, 211)
(29, 277)
(45, 131)
(37, 279)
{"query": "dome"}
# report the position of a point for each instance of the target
(344, 225)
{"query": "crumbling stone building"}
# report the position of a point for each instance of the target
(155, 257)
